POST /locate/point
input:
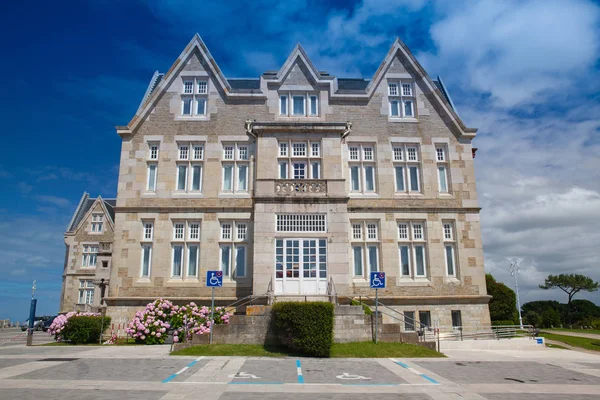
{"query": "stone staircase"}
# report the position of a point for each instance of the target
(352, 325)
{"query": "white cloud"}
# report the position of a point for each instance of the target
(516, 50)
(55, 200)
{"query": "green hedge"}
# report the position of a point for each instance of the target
(305, 327)
(366, 309)
(504, 322)
(84, 329)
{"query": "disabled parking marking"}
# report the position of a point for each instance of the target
(414, 371)
(243, 375)
(346, 375)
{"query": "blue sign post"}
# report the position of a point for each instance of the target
(377, 282)
(213, 279)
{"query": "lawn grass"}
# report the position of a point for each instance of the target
(584, 343)
(346, 350)
(593, 331)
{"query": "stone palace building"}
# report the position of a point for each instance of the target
(296, 185)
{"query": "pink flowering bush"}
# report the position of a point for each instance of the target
(150, 325)
(60, 322)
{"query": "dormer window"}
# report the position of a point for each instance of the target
(402, 99)
(298, 105)
(97, 223)
(194, 97)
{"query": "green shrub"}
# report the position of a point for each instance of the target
(305, 327)
(84, 329)
(367, 310)
(532, 318)
(503, 322)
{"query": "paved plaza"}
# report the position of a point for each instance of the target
(148, 372)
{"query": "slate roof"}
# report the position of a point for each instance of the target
(352, 85)
(244, 85)
(84, 206)
(440, 85)
(154, 81)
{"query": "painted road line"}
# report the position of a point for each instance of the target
(414, 371)
(255, 383)
(182, 370)
(299, 370)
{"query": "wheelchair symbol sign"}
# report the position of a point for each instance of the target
(377, 280)
(214, 278)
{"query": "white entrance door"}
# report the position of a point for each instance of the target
(301, 266)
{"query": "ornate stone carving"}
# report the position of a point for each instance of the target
(300, 187)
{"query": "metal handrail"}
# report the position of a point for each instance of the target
(422, 327)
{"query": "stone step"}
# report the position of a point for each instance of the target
(349, 310)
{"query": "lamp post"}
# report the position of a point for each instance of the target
(31, 316)
(102, 285)
(514, 271)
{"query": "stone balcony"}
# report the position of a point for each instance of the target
(300, 188)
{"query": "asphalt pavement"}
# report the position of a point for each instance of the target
(148, 372)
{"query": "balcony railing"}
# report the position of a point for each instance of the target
(297, 187)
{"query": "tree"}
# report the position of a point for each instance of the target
(550, 318)
(533, 318)
(540, 306)
(571, 284)
(503, 303)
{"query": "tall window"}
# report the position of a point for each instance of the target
(402, 99)
(409, 320)
(233, 248)
(185, 249)
(365, 248)
(152, 166)
(411, 245)
(362, 167)
(97, 223)
(235, 167)
(194, 97)
(449, 248)
(299, 159)
(425, 318)
(190, 160)
(441, 156)
(86, 292)
(90, 253)
(406, 158)
(146, 242)
(298, 104)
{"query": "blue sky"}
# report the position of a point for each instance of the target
(524, 72)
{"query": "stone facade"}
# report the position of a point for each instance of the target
(88, 240)
(246, 115)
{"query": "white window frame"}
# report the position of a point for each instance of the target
(301, 223)
(238, 159)
(357, 158)
(97, 224)
(449, 241)
(400, 158)
(287, 98)
(442, 168)
(147, 231)
(151, 182)
(153, 151)
(146, 245)
(89, 253)
(190, 155)
(183, 237)
(195, 97)
(407, 237)
(86, 292)
(400, 97)
(235, 239)
(310, 157)
(365, 242)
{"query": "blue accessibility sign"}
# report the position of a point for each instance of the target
(214, 278)
(377, 280)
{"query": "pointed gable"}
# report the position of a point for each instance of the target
(87, 207)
